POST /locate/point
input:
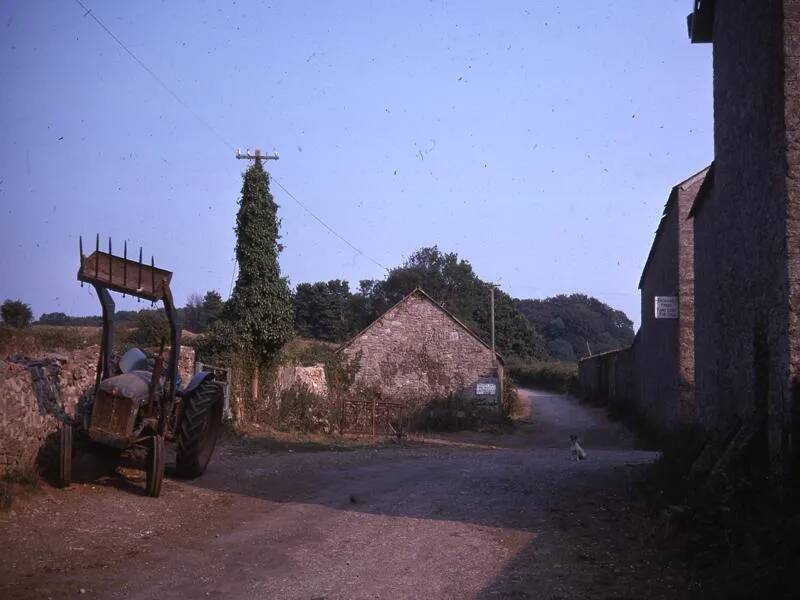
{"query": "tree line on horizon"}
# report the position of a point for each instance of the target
(563, 327)
(263, 313)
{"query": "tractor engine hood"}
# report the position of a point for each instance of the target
(115, 407)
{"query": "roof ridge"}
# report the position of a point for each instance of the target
(429, 298)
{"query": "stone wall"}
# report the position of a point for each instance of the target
(310, 377)
(416, 353)
(26, 420)
(791, 86)
(611, 378)
(742, 360)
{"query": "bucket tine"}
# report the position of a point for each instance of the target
(125, 266)
(110, 263)
(153, 276)
(96, 254)
(139, 286)
(80, 249)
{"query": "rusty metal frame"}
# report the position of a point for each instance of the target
(371, 416)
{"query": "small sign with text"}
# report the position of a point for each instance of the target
(666, 307)
(486, 389)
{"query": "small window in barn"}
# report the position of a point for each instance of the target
(453, 336)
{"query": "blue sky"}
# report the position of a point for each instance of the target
(538, 140)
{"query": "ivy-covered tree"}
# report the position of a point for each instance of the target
(260, 307)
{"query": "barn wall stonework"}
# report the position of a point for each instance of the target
(742, 367)
(416, 353)
(791, 46)
(686, 298)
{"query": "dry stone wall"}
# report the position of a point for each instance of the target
(28, 418)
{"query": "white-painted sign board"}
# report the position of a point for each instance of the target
(486, 389)
(666, 307)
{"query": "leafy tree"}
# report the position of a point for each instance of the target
(453, 283)
(561, 349)
(54, 318)
(320, 310)
(191, 314)
(16, 313)
(151, 329)
(574, 320)
(201, 311)
(260, 308)
(446, 278)
(213, 305)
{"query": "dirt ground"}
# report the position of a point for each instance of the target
(468, 515)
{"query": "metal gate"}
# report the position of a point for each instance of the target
(372, 417)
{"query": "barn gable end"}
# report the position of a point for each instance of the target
(417, 353)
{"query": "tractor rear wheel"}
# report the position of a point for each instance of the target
(200, 426)
(65, 455)
(154, 466)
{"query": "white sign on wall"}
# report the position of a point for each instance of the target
(486, 389)
(666, 307)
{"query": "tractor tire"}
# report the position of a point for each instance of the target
(200, 426)
(154, 466)
(65, 455)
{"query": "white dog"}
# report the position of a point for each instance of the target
(575, 449)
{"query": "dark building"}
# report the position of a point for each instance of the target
(747, 227)
(664, 346)
(745, 217)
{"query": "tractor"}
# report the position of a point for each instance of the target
(138, 404)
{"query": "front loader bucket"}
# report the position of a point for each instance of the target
(123, 275)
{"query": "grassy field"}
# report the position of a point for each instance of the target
(46, 338)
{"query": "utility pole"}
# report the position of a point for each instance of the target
(492, 286)
(255, 155)
(499, 379)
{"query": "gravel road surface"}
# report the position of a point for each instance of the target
(466, 515)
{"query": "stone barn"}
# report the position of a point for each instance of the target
(419, 354)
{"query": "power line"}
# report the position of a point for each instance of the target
(152, 74)
(88, 13)
(326, 226)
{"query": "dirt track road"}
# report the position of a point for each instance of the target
(456, 516)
